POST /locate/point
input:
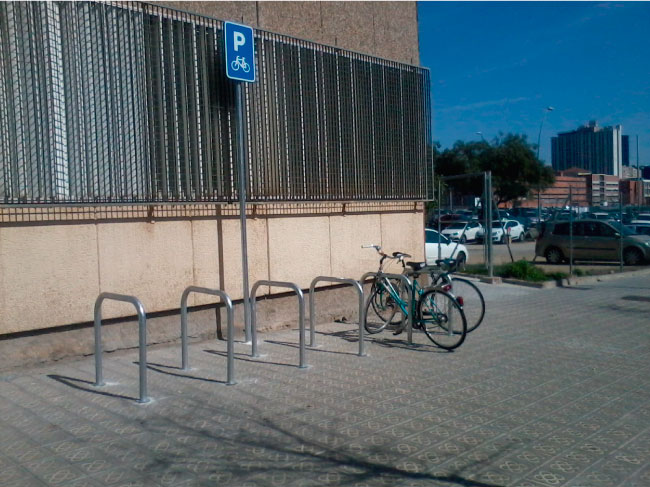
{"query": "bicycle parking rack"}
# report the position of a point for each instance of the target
(301, 316)
(231, 328)
(312, 313)
(409, 285)
(142, 329)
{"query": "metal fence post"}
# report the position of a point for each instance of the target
(142, 340)
(488, 230)
(570, 230)
(620, 230)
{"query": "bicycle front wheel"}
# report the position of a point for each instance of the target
(471, 300)
(442, 319)
(381, 308)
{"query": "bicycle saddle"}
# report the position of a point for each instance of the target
(416, 266)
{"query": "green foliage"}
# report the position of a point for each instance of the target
(514, 165)
(522, 270)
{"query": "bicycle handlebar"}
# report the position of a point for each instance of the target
(396, 255)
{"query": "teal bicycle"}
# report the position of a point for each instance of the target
(436, 312)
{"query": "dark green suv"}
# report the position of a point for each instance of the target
(592, 240)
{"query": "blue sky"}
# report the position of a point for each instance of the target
(496, 66)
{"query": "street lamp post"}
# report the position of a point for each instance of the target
(539, 140)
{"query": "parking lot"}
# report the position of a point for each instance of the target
(552, 390)
(526, 251)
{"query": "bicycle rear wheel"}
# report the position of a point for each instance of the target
(381, 308)
(471, 300)
(442, 319)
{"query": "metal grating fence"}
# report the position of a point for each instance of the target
(129, 103)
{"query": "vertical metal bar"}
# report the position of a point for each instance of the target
(142, 332)
(243, 176)
(411, 308)
(439, 215)
(488, 230)
(99, 375)
(312, 308)
(184, 352)
(486, 217)
(230, 378)
(231, 331)
(620, 231)
(570, 230)
(301, 327)
(301, 315)
(142, 340)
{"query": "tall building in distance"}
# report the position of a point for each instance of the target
(599, 150)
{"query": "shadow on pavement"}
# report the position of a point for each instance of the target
(72, 382)
(159, 368)
(269, 449)
(248, 358)
(353, 336)
(314, 349)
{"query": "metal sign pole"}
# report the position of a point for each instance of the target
(239, 43)
(243, 176)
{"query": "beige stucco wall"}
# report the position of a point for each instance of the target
(50, 275)
(383, 29)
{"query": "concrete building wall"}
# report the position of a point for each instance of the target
(54, 261)
(384, 29)
(51, 273)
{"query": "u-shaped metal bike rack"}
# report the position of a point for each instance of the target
(312, 313)
(409, 286)
(301, 316)
(231, 329)
(142, 329)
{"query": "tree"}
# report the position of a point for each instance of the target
(462, 158)
(515, 168)
(514, 165)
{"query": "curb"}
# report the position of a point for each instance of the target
(576, 281)
(567, 282)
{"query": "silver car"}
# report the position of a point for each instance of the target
(592, 240)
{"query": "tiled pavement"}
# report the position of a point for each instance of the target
(552, 390)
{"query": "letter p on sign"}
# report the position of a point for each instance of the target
(240, 52)
(240, 40)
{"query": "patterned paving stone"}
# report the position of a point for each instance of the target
(536, 397)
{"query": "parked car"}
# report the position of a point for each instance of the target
(590, 215)
(448, 249)
(513, 229)
(532, 232)
(455, 231)
(529, 214)
(592, 240)
(639, 227)
(446, 220)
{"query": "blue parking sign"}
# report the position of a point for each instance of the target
(240, 52)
